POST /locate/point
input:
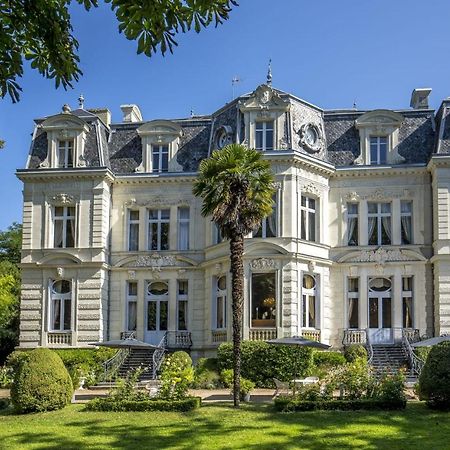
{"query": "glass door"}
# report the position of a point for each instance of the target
(380, 311)
(157, 312)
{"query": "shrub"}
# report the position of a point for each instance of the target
(261, 362)
(126, 388)
(227, 377)
(4, 403)
(6, 377)
(328, 359)
(206, 375)
(288, 404)
(110, 404)
(391, 388)
(176, 376)
(353, 352)
(16, 358)
(434, 381)
(422, 352)
(41, 383)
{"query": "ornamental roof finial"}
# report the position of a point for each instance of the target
(81, 101)
(269, 73)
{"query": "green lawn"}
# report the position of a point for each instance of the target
(222, 427)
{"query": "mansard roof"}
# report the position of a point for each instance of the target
(118, 146)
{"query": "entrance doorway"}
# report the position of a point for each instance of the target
(380, 311)
(157, 311)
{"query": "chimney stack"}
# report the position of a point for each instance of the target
(131, 113)
(419, 98)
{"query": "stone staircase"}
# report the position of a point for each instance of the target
(388, 359)
(138, 358)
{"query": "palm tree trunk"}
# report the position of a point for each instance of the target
(237, 292)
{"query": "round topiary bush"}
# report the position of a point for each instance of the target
(434, 381)
(41, 383)
(354, 352)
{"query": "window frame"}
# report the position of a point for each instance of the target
(180, 222)
(353, 295)
(65, 219)
(61, 298)
(408, 294)
(306, 231)
(378, 142)
(131, 298)
(350, 216)
(305, 294)
(183, 298)
(379, 215)
(264, 131)
(131, 222)
(159, 221)
(161, 151)
(220, 293)
(69, 153)
(406, 214)
(274, 309)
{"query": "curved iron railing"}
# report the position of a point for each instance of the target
(158, 355)
(416, 363)
(111, 365)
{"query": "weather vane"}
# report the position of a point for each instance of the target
(81, 101)
(269, 73)
(235, 80)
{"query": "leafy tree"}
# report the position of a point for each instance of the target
(11, 243)
(41, 32)
(236, 186)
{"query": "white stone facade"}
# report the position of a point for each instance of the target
(114, 240)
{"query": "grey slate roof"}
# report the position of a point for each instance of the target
(119, 146)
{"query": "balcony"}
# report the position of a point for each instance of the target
(219, 336)
(178, 340)
(262, 334)
(59, 338)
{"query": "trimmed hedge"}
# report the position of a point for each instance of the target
(261, 362)
(41, 383)
(4, 403)
(287, 404)
(328, 359)
(353, 352)
(434, 381)
(111, 404)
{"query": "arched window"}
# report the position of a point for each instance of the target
(61, 305)
(309, 302)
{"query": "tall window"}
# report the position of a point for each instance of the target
(352, 224)
(379, 223)
(309, 302)
(60, 305)
(378, 150)
(160, 154)
(406, 221)
(268, 226)
(407, 302)
(264, 135)
(65, 153)
(353, 302)
(157, 306)
(217, 235)
(64, 226)
(308, 218)
(183, 228)
(133, 230)
(158, 229)
(220, 302)
(182, 305)
(263, 300)
(132, 292)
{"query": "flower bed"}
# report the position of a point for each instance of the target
(288, 404)
(112, 404)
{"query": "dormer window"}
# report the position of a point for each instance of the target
(379, 134)
(160, 155)
(65, 153)
(264, 135)
(378, 150)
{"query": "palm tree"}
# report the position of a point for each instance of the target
(236, 186)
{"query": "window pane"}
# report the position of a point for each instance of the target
(133, 243)
(407, 284)
(155, 162)
(386, 313)
(134, 215)
(353, 313)
(219, 313)
(132, 288)
(153, 214)
(312, 203)
(165, 214)
(269, 140)
(158, 288)
(386, 230)
(132, 316)
(383, 153)
(163, 311)
(182, 315)
(70, 225)
(182, 287)
(58, 233)
(56, 318)
(67, 313)
(353, 285)
(151, 316)
(373, 313)
(312, 226)
(309, 282)
(153, 236)
(406, 207)
(263, 300)
(259, 140)
(372, 207)
(165, 163)
(311, 311)
(259, 125)
(352, 208)
(407, 312)
(222, 283)
(385, 207)
(164, 236)
(303, 224)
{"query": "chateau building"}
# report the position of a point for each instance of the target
(357, 246)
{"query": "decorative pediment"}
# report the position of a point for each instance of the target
(379, 194)
(263, 264)
(155, 262)
(381, 256)
(63, 199)
(64, 123)
(162, 130)
(312, 189)
(379, 119)
(264, 98)
(155, 201)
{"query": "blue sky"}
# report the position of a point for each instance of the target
(330, 53)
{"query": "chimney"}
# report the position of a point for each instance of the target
(103, 113)
(419, 98)
(131, 113)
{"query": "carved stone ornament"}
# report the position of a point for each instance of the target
(312, 189)
(156, 201)
(132, 274)
(264, 98)
(263, 264)
(60, 272)
(311, 266)
(380, 256)
(155, 262)
(311, 137)
(82, 161)
(63, 199)
(378, 194)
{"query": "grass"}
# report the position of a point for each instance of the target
(221, 427)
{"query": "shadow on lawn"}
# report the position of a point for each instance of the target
(417, 428)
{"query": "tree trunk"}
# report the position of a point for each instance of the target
(237, 292)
